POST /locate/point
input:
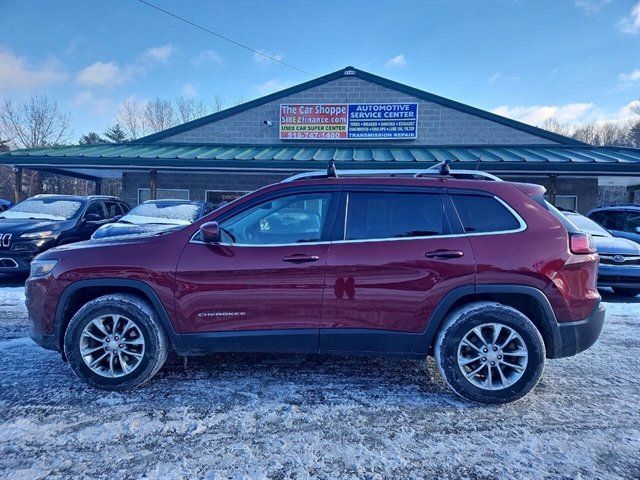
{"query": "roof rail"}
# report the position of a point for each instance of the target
(462, 174)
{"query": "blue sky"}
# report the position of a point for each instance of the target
(574, 60)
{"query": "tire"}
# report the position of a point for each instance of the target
(508, 383)
(626, 292)
(122, 368)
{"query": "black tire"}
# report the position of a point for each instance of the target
(626, 292)
(146, 320)
(460, 322)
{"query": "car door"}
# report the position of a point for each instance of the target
(266, 274)
(394, 259)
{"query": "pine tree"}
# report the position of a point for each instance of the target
(90, 139)
(116, 134)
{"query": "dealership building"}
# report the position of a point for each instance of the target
(357, 119)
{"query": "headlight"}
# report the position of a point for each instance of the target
(40, 268)
(45, 234)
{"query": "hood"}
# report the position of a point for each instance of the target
(23, 225)
(616, 246)
(119, 229)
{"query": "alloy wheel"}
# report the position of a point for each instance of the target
(112, 346)
(492, 356)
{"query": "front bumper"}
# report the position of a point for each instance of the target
(11, 262)
(578, 336)
(47, 341)
(619, 276)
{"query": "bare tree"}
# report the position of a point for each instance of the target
(553, 125)
(218, 103)
(37, 122)
(132, 116)
(159, 115)
(189, 109)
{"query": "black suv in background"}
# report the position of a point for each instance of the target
(46, 221)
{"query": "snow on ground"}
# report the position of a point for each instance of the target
(296, 416)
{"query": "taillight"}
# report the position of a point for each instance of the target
(581, 243)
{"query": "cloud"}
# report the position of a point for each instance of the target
(207, 57)
(261, 59)
(398, 61)
(105, 74)
(631, 24)
(159, 54)
(627, 81)
(591, 6)
(17, 73)
(271, 86)
(571, 113)
(188, 90)
(85, 98)
(500, 77)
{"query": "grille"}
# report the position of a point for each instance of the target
(628, 260)
(618, 279)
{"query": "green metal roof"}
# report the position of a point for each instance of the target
(300, 157)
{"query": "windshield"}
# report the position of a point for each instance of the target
(588, 226)
(168, 213)
(44, 209)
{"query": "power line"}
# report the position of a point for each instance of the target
(227, 39)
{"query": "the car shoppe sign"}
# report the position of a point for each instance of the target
(348, 121)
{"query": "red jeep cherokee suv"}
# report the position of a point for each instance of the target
(482, 274)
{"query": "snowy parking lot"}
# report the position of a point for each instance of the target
(295, 416)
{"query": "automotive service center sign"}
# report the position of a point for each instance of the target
(348, 121)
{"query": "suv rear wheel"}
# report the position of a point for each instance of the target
(490, 353)
(115, 342)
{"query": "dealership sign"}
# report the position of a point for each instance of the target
(348, 121)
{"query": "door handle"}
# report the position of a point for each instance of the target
(301, 258)
(442, 254)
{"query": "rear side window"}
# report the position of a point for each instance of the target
(377, 215)
(481, 214)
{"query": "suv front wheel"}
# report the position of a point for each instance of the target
(490, 353)
(115, 342)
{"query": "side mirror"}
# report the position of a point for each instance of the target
(116, 218)
(210, 232)
(92, 217)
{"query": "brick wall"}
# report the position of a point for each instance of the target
(437, 125)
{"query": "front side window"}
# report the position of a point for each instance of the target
(632, 223)
(613, 220)
(291, 219)
(482, 214)
(386, 215)
(95, 208)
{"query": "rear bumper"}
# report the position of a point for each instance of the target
(578, 336)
